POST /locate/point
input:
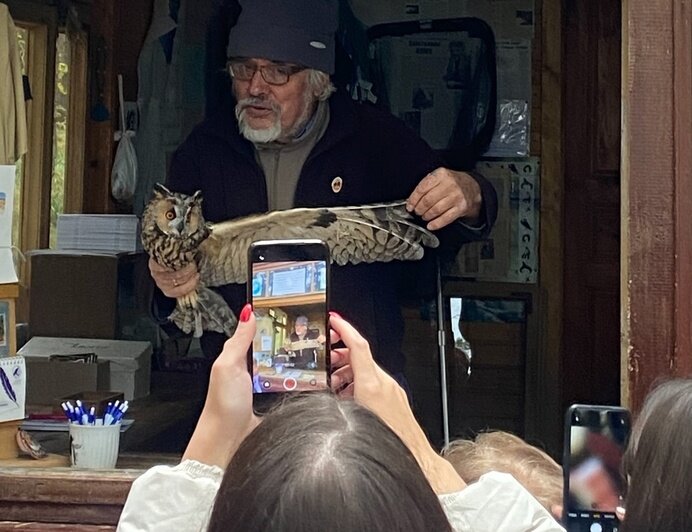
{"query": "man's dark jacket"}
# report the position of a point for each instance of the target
(378, 159)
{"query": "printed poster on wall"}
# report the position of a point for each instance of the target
(510, 253)
(7, 271)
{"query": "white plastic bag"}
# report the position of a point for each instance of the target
(124, 172)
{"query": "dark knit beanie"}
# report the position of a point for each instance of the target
(291, 31)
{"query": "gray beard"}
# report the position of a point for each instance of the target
(269, 134)
(274, 132)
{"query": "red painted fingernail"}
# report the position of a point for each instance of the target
(335, 314)
(245, 313)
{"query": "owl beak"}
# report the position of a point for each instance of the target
(176, 227)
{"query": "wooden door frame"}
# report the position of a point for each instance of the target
(544, 389)
(656, 267)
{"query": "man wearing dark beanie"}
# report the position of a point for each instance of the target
(294, 142)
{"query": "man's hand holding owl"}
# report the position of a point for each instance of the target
(174, 283)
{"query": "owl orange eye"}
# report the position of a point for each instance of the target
(170, 215)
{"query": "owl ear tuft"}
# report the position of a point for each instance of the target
(197, 197)
(161, 191)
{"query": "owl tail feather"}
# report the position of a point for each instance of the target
(212, 313)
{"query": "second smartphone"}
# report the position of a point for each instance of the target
(595, 441)
(289, 291)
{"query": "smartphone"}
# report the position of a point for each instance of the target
(289, 291)
(595, 441)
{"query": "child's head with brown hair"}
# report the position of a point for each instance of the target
(507, 453)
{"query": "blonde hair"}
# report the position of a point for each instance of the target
(507, 453)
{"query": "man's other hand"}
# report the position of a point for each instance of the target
(444, 196)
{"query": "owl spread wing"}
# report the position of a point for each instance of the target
(367, 233)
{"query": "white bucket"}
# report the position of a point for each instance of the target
(94, 446)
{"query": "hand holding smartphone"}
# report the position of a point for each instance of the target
(595, 440)
(288, 288)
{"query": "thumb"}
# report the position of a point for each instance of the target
(360, 357)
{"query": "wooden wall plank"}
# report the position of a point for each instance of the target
(77, 119)
(682, 53)
(120, 28)
(99, 146)
(544, 386)
(657, 195)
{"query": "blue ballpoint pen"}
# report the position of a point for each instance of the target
(67, 411)
(120, 413)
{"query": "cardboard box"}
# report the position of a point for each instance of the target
(83, 294)
(130, 362)
(47, 381)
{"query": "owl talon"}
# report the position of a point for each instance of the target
(188, 301)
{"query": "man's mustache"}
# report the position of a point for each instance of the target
(257, 102)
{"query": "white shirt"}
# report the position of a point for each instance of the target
(180, 498)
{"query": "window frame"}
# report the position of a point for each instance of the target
(42, 26)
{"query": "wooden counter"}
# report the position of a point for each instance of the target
(70, 499)
(38, 499)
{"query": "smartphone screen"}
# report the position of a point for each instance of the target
(288, 289)
(596, 437)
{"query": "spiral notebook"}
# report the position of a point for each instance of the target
(12, 388)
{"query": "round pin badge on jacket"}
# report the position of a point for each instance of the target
(337, 184)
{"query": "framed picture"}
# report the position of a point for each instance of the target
(8, 344)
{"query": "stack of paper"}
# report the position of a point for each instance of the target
(7, 271)
(99, 232)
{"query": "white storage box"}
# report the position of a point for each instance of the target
(130, 362)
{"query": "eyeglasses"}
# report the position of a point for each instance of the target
(272, 74)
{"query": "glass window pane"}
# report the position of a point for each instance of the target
(60, 111)
(23, 42)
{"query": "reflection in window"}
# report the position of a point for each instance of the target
(60, 113)
(23, 42)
